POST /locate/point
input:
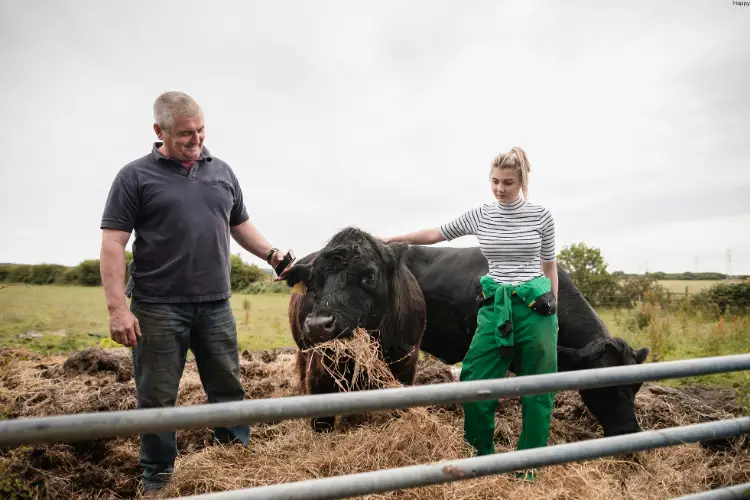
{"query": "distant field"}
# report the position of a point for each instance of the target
(693, 286)
(58, 318)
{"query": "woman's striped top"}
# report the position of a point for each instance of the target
(514, 238)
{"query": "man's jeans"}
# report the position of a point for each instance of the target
(209, 330)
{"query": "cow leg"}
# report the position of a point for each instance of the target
(404, 369)
(302, 359)
(320, 381)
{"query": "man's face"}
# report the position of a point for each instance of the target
(184, 140)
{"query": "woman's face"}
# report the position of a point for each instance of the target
(505, 185)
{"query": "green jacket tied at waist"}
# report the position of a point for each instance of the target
(535, 293)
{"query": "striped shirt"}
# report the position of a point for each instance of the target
(514, 238)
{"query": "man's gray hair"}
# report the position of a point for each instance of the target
(171, 104)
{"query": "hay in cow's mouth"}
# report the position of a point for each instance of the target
(369, 370)
(290, 451)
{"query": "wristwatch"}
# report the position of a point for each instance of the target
(270, 254)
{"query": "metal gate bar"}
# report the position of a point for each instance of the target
(728, 493)
(87, 426)
(427, 474)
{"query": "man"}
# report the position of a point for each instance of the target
(183, 204)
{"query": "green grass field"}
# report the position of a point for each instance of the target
(685, 335)
(693, 286)
(57, 319)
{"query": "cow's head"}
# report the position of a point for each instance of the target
(354, 281)
(613, 407)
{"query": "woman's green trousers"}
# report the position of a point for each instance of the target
(509, 329)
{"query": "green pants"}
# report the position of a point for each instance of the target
(530, 340)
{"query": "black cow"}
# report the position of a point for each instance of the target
(355, 281)
(449, 279)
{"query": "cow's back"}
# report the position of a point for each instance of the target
(579, 323)
(449, 278)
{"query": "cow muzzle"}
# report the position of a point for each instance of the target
(320, 327)
(613, 409)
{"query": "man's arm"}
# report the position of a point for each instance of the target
(123, 325)
(251, 239)
(112, 267)
(244, 232)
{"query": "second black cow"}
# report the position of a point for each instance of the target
(449, 279)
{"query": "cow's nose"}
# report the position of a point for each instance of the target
(321, 324)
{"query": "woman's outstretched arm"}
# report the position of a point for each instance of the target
(422, 237)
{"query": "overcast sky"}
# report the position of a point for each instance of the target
(386, 115)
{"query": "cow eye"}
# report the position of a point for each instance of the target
(368, 279)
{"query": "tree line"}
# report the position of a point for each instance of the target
(687, 276)
(588, 270)
(585, 264)
(244, 277)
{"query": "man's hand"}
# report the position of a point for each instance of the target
(276, 259)
(249, 238)
(124, 327)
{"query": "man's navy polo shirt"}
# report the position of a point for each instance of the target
(181, 218)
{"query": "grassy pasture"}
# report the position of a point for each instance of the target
(61, 318)
(683, 334)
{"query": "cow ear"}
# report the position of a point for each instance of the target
(610, 346)
(585, 357)
(641, 355)
(297, 273)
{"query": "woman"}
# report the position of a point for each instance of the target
(517, 320)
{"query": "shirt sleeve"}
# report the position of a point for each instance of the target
(123, 202)
(464, 225)
(239, 214)
(548, 237)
